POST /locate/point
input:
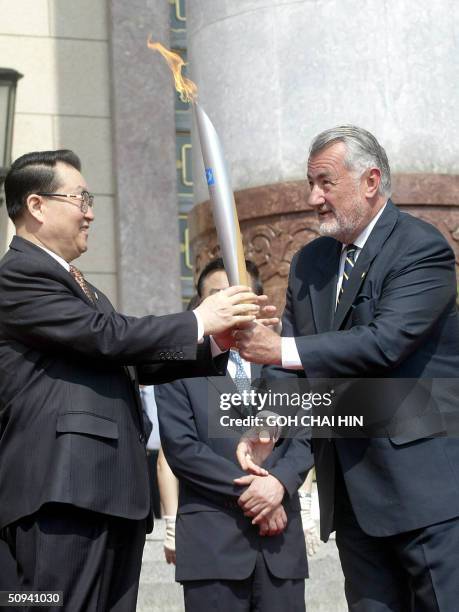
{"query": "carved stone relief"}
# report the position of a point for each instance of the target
(285, 223)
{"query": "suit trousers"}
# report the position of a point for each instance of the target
(8, 577)
(94, 559)
(260, 592)
(414, 571)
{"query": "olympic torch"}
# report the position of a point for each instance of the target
(217, 174)
(222, 198)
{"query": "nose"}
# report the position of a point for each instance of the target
(89, 214)
(316, 196)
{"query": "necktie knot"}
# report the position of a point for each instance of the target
(78, 276)
(351, 251)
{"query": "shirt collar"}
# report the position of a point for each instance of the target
(58, 258)
(361, 239)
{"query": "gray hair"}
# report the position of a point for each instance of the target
(363, 151)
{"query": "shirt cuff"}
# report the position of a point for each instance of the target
(200, 327)
(290, 356)
(214, 348)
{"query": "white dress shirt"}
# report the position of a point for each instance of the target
(147, 394)
(58, 258)
(231, 368)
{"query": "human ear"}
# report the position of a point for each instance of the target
(34, 204)
(372, 182)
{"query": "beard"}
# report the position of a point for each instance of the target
(345, 225)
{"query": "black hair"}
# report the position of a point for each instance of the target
(195, 300)
(217, 264)
(32, 173)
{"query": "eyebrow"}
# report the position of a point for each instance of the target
(320, 176)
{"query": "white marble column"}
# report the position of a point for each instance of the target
(273, 73)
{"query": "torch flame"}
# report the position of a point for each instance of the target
(187, 90)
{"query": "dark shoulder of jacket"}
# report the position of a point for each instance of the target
(423, 232)
(31, 260)
(317, 248)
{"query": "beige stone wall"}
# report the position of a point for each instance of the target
(63, 101)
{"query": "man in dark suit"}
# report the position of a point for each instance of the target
(374, 298)
(75, 500)
(220, 556)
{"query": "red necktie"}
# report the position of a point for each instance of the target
(78, 276)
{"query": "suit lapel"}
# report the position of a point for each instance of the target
(79, 291)
(101, 303)
(255, 371)
(372, 247)
(25, 246)
(322, 287)
(225, 384)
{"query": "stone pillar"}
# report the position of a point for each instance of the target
(273, 73)
(144, 136)
(4, 222)
(63, 102)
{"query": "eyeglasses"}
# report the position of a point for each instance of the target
(86, 199)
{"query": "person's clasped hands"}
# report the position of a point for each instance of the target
(222, 314)
(262, 500)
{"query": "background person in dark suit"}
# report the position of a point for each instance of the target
(374, 298)
(75, 500)
(223, 561)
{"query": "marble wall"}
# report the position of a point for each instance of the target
(273, 73)
(90, 84)
(63, 101)
(144, 150)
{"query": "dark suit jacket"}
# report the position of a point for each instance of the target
(70, 422)
(214, 540)
(396, 320)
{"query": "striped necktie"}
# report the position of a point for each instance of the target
(78, 276)
(240, 378)
(349, 263)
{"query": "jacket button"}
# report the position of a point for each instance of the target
(141, 438)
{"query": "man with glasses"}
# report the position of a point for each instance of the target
(74, 486)
(84, 199)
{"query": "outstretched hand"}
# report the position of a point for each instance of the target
(259, 344)
(229, 308)
(266, 316)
